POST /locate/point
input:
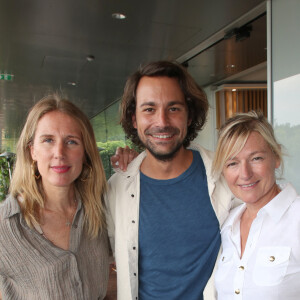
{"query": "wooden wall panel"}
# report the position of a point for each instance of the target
(242, 100)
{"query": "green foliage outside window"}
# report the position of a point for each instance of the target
(4, 176)
(108, 149)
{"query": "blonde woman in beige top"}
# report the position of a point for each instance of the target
(53, 237)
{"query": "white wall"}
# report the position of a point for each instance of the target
(286, 83)
(208, 136)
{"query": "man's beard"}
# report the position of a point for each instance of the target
(151, 148)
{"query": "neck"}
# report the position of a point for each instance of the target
(60, 199)
(159, 169)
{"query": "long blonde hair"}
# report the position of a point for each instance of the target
(91, 184)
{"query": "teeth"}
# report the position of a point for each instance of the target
(248, 185)
(161, 136)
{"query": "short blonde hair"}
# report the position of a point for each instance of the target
(234, 134)
(93, 184)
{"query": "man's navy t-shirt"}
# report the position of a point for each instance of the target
(179, 236)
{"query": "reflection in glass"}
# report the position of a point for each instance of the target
(287, 125)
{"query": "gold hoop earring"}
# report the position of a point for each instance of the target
(84, 179)
(34, 170)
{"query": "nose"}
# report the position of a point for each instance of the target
(245, 171)
(163, 119)
(59, 150)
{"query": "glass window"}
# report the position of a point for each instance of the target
(109, 135)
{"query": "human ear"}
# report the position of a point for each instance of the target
(32, 152)
(133, 118)
(277, 164)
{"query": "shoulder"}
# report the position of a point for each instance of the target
(132, 171)
(289, 195)
(3, 208)
(296, 202)
(206, 155)
(8, 213)
(207, 158)
(9, 208)
(119, 183)
(6, 207)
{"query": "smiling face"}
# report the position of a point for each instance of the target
(251, 173)
(58, 149)
(161, 117)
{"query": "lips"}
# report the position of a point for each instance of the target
(60, 169)
(249, 185)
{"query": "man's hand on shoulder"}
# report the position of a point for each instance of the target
(123, 157)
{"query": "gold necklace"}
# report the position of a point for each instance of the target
(69, 222)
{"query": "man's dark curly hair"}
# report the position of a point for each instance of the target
(194, 96)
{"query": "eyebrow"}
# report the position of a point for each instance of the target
(251, 154)
(171, 103)
(150, 103)
(255, 152)
(51, 135)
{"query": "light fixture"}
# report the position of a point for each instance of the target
(72, 83)
(118, 16)
(233, 90)
(90, 58)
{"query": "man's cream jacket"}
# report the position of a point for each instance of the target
(123, 220)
